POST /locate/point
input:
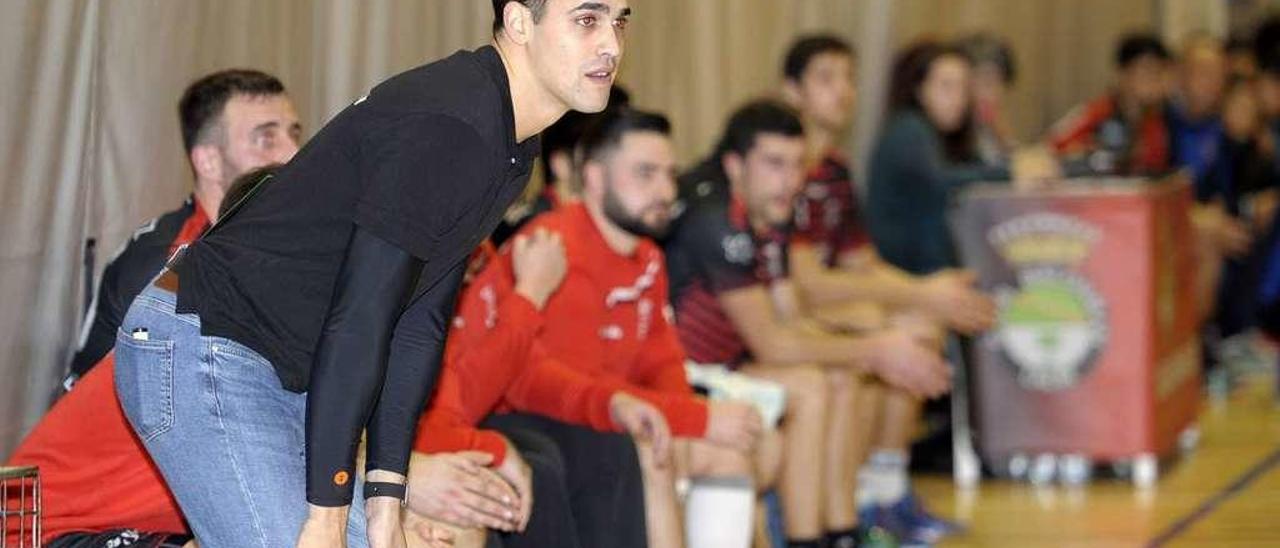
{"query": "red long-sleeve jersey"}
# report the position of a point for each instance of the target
(603, 331)
(493, 362)
(610, 318)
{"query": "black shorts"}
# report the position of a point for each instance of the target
(119, 538)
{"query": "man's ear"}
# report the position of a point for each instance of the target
(206, 161)
(592, 176)
(561, 165)
(517, 22)
(732, 165)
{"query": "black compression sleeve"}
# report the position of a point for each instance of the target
(375, 281)
(412, 368)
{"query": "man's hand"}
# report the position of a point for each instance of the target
(901, 362)
(1225, 235)
(734, 425)
(951, 297)
(1233, 237)
(1034, 167)
(457, 489)
(539, 264)
(644, 422)
(515, 472)
(326, 527)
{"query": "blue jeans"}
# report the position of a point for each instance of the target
(228, 438)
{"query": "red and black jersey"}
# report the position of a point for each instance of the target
(711, 251)
(1099, 132)
(140, 260)
(827, 211)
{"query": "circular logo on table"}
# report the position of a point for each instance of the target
(1052, 327)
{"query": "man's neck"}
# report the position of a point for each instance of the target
(209, 198)
(818, 143)
(620, 241)
(534, 108)
(758, 226)
(1131, 109)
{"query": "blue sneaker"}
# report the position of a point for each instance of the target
(909, 521)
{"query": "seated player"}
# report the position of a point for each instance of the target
(501, 394)
(607, 321)
(735, 305)
(835, 267)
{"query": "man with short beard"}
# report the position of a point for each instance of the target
(232, 121)
(736, 304)
(607, 320)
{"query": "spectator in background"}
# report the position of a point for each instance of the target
(1126, 131)
(1194, 110)
(994, 72)
(1240, 193)
(926, 153)
(233, 121)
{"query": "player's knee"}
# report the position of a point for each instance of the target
(721, 462)
(807, 385)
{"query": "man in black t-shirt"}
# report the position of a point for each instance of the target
(735, 304)
(233, 121)
(318, 309)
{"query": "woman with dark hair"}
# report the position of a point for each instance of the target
(926, 152)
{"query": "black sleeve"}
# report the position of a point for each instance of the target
(412, 369)
(375, 281)
(105, 318)
(420, 174)
(122, 280)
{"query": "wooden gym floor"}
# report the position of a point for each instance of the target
(1225, 492)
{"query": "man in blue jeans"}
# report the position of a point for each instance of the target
(318, 310)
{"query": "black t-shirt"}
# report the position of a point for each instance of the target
(713, 250)
(428, 161)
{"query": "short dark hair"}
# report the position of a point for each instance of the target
(1266, 40)
(537, 7)
(607, 129)
(762, 116)
(988, 49)
(805, 48)
(1139, 44)
(245, 185)
(204, 100)
(563, 135)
